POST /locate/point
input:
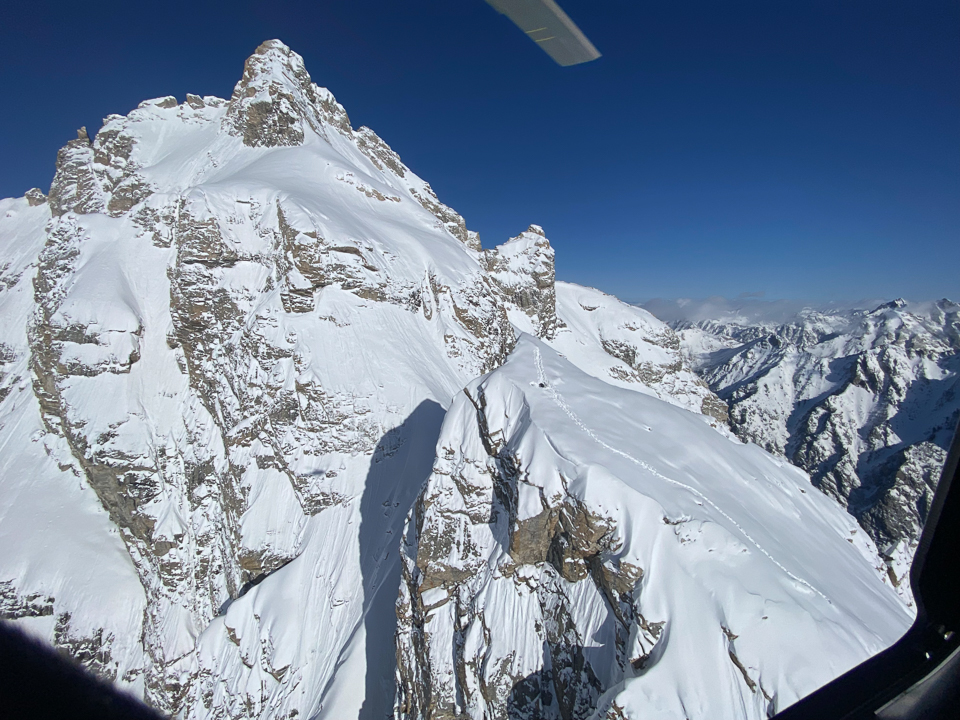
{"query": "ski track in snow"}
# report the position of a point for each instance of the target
(562, 404)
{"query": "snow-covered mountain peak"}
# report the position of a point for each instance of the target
(230, 336)
(227, 323)
(272, 63)
(275, 101)
(893, 304)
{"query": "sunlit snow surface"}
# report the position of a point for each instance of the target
(596, 322)
(865, 400)
(56, 541)
(245, 478)
(731, 541)
(298, 639)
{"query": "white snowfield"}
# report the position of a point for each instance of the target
(229, 337)
(761, 588)
(626, 346)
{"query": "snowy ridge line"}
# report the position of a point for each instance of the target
(561, 403)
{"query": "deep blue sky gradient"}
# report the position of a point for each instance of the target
(798, 149)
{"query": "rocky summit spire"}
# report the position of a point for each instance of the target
(75, 186)
(275, 101)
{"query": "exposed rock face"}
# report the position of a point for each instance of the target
(522, 270)
(864, 401)
(75, 186)
(230, 333)
(13, 606)
(35, 197)
(542, 580)
(98, 177)
(275, 101)
(448, 217)
(906, 487)
(473, 498)
(92, 651)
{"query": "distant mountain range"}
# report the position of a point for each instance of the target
(865, 400)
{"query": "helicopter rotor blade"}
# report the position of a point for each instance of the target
(549, 27)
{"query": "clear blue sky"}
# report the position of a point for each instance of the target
(798, 149)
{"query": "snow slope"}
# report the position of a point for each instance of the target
(581, 551)
(231, 331)
(628, 347)
(66, 575)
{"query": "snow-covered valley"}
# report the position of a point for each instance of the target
(280, 439)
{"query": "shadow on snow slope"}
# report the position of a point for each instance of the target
(400, 466)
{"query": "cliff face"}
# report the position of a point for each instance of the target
(230, 334)
(864, 401)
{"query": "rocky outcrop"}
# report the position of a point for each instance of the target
(905, 484)
(522, 270)
(116, 169)
(91, 651)
(449, 218)
(75, 186)
(35, 197)
(97, 177)
(14, 606)
(275, 102)
(467, 522)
